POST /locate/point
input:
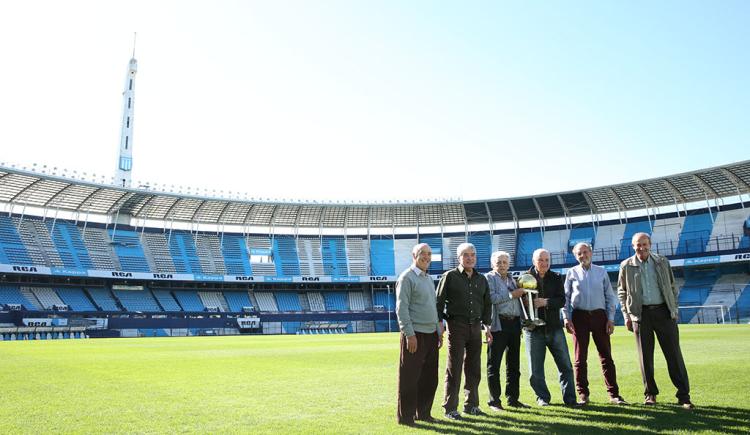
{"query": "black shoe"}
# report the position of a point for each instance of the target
(497, 406)
(453, 415)
(428, 419)
(618, 400)
(474, 410)
(517, 404)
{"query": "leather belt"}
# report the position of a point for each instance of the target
(654, 307)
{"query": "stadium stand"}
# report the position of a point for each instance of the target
(189, 300)
(356, 301)
(266, 301)
(166, 300)
(136, 300)
(103, 299)
(237, 301)
(287, 301)
(317, 303)
(294, 264)
(75, 298)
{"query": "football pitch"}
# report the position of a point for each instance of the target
(326, 384)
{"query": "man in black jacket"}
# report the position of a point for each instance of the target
(550, 300)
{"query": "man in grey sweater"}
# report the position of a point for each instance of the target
(421, 337)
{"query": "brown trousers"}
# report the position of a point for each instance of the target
(417, 378)
(464, 351)
(587, 324)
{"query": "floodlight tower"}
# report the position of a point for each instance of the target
(125, 160)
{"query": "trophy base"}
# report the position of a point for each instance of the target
(530, 325)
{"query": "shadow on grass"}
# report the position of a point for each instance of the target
(595, 419)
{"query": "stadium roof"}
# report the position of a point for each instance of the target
(24, 188)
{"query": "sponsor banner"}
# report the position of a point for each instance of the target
(37, 270)
(377, 278)
(68, 272)
(200, 277)
(261, 251)
(242, 278)
(344, 279)
(44, 322)
(702, 260)
(97, 323)
(277, 279)
(311, 279)
(248, 322)
(745, 256)
(171, 276)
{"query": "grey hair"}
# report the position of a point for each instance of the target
(637, 236)
(579, 244)
(464, 247)
(498, 254)
(538, 253)
(418, 248)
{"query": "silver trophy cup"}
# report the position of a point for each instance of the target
(531, 320)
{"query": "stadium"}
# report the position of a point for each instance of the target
(130, 307)
(87, 259)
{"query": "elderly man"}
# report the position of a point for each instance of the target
(506, 333)
(463, 300)
(421, 337)
(589, 311)
(551, 299)
(648, 297)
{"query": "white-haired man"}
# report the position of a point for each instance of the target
(589, 311)
(421, 337)
(648, 297)
(463, 300)
(551, 298)
(506, 333)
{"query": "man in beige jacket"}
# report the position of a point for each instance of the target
(648, 297)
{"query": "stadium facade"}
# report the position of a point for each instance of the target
(85, 258)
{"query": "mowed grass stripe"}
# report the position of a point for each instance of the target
(333, 384)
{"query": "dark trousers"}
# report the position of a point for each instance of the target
(507, 341)
(658, 320)
(417, 378)
(593, 324)
(464, 351)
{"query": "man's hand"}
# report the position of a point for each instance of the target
(540, 302)
(610, 327)
(569, 326)
(517, 293)
(440, 330)
(488, 334)
(629, 324)
(411, 343)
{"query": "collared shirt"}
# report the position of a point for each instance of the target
(649, 282)
(589, 290)
(415, 302)
(463, 298)
(503, 303)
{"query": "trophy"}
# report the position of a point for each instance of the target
(528, 283)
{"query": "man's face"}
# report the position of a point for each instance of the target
(642, 247)
(541, 263)
(423, 258)
(501, 265)
(468, 259)
(583, 255)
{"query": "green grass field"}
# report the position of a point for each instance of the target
(333, 384)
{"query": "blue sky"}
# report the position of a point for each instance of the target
(386, 100)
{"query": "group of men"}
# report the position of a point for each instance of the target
(470, 305)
